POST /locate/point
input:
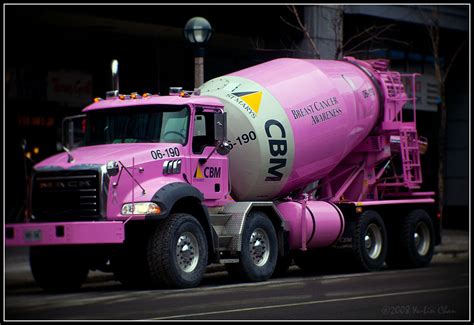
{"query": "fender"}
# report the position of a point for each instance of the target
(166, 198)
(169, 194)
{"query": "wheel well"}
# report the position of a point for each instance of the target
(193, 206)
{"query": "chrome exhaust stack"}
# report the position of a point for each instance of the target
(115, 81)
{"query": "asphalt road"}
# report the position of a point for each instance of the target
(440, 291)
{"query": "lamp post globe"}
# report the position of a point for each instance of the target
(197, 32)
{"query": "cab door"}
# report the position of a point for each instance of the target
(210, 171)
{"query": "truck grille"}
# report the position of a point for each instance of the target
(66, 195)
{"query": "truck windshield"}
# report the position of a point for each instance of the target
(151, 123)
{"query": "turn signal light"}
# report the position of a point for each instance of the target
(154, 209)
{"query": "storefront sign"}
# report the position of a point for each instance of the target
(69, 87)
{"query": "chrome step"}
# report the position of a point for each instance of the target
(219, 219)
(224, 241)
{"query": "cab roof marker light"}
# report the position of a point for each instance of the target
(185, 93)
(98, 99)
(135, 95)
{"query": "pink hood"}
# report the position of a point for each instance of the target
(101, 154)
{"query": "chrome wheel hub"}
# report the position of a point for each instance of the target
(422, 238)
(259, 247)
(187, 252)
(373, 241)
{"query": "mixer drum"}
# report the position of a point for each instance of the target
(291, 121)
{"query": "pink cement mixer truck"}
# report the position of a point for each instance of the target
(311, 161)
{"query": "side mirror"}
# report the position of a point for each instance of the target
(72, 131)
(223, 148)
(220, 126)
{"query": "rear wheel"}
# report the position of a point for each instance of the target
(414, 245)
(58, 268)
(259, 250)
(369, 242)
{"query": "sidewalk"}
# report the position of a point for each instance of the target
(453, 242)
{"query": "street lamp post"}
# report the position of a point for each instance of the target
(198, 31)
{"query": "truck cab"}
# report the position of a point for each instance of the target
(142, 159)
(174, 139)
(151, 141)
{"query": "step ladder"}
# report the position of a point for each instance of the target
(410, 154)
(218, 221)
(395, 96)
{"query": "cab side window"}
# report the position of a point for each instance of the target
(203, 132)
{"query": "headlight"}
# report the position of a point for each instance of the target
(141, 208)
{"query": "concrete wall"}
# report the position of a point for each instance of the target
(325, 27)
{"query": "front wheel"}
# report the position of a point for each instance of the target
(177, 252)
(259, 250)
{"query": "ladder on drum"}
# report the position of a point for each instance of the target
(395, 98)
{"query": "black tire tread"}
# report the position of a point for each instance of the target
(244, 270)
(360, 261)
(161, 265)
(404, 255)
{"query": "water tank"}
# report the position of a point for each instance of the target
(291, 121)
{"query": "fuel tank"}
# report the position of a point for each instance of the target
(324, 223)
(291, 121)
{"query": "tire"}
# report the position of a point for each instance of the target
(58, 269)
(177, 252)
(259, 250)
(414, 245)
(284, 260)
(369, 242)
